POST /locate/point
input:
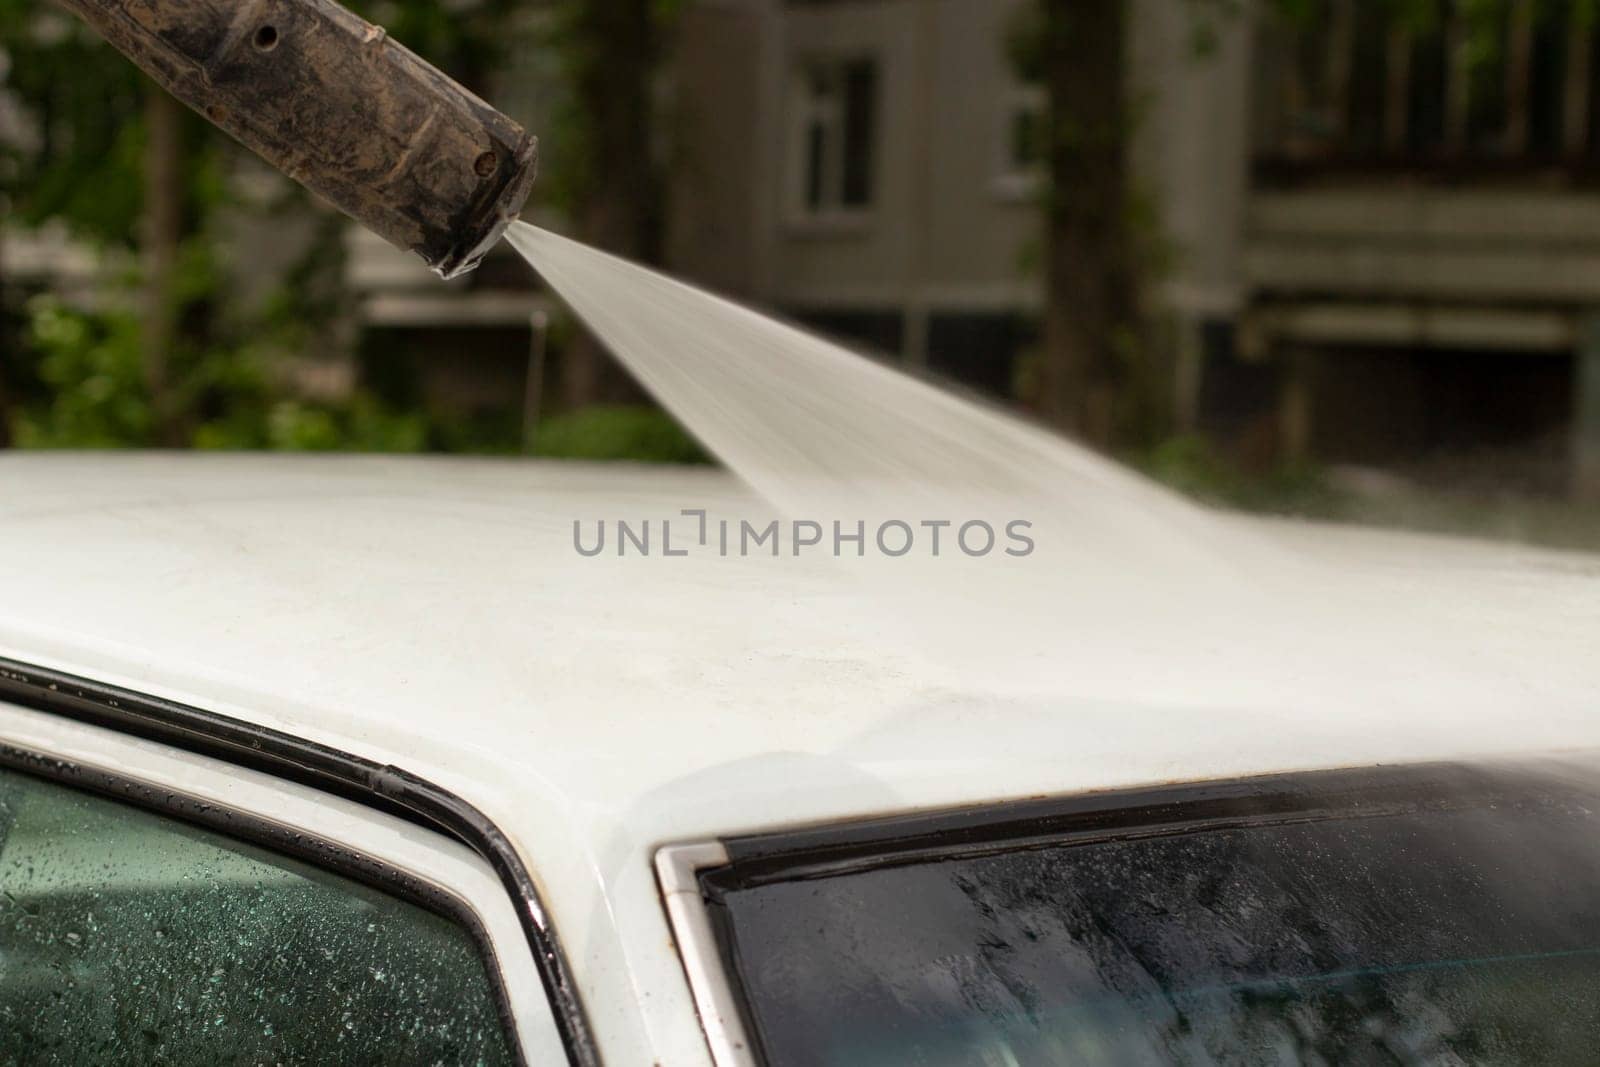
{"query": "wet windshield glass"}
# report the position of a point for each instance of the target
(1468, 933)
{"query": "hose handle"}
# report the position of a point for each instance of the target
(333, 102)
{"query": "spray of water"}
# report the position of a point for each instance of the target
(1131, 591)
(817, 430)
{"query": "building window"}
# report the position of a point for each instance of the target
(1459, 86)
(836, 108)
(1025, 131)
(1021, 141)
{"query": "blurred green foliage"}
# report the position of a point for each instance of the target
(77, 377)
(1195, 468)
(1306, 491)
(92, 366)
(609, 54)
(82, 164)
(618, 432)
(93, 369)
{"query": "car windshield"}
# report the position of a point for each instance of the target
(1454, 931)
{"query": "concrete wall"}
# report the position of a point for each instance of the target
(1511, 245)
(942, 230)
(720, 137)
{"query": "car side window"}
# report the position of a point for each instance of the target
(130, 937)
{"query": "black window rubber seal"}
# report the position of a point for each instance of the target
(1151, 811)
(386, 788)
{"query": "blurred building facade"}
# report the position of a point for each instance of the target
(1384, 238)
(868, 168)
(1385, 244)
(1422, 240)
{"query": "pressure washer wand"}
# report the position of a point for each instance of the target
(331, 101)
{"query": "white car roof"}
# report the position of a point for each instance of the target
(433, 614)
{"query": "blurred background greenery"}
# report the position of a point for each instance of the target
(170, 343)
(1326, 257)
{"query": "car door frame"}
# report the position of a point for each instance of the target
(378, 824)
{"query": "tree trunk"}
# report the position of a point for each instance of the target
(617, 44)
(5, 346)
(1089, 273)
(162, 235)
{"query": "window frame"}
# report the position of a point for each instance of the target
(836, 217)
(384, 828)
(1014, 181)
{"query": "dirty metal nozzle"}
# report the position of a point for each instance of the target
(331, 101)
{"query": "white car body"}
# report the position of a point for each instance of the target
(432, 616)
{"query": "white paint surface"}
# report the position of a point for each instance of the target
(433, 614)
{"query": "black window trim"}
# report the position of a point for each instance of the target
(389, 789)
(1084, 818)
